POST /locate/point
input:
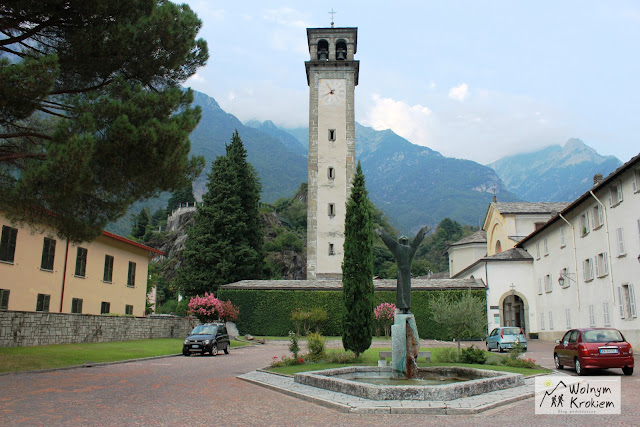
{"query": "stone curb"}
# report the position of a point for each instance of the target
(352, 404)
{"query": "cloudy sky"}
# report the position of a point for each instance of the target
(471, 79)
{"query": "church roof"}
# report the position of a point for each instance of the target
(479, 236)
(515, 254)
(379, 284)
(529, 208)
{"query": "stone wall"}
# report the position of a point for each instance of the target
(24, 328)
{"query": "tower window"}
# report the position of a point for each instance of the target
(341, 50)
(331, 251)
(332, 134)
(331, 173)
(323, 50)
(332, 209)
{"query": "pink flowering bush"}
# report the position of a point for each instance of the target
(384, 314)
(208, 308)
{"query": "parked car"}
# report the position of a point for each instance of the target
(207, 338)
(506, 337)
(594, 348)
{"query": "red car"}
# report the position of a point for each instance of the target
(594, 348)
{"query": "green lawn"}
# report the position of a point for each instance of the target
(370, 358)
(16, 359)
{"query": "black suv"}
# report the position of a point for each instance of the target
(207, 338)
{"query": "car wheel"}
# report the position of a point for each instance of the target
(186, 353)
(214, 350)
(627, 370)
(579, 369)
(500, 349)
(226, 349)
(556, 359)
(488, 348)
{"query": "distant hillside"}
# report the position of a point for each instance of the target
(286, 138)
(555, 173)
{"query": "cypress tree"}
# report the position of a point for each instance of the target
(249, 192)
(216, 252)
(357, 269)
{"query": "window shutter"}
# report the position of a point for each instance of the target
(620, 302)
(598, 267)
(619, 190)
(620, 235)
(605, 263)
(632, 301)
(584, 270)
(600, 215)
(611, 197)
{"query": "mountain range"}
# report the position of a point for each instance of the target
(555, 173)
(413, 185)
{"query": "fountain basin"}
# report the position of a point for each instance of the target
(346, 380)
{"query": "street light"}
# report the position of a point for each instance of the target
(562, 277)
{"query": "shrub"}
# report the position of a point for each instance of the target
(315, 343)
(473, 355)
(446, 355)
(286, 361)
(294, 348)
(342, 358)
(519, 363)
(317, 317)
(300, 319)
(207, 308)
(384, 314)
(229, 312)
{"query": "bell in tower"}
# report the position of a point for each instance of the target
(341, 50)
(323, 50)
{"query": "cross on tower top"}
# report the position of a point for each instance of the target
(332, 13)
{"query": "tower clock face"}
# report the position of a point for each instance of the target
(332, 91)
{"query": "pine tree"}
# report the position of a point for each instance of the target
(357, 269)
(181, 197)
(92, 114)
(139, 227)
(249, 191)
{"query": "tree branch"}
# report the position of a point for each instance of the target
(23, 135)
(83, 90)
(11, 40)
(45, 110)
(16, 156)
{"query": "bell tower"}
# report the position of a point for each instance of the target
(332, 75)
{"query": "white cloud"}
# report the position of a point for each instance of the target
(286, 16)
(459, 93)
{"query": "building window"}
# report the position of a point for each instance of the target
(8, 243)
(331, 251)
(564, 273)
(545, 246)
(587, 270)
(105, 307)
(108, 269)
(332, 134)
(48, 254)
(331, 173)
(567, 316)
(537, 250)
(627, 301)
(605, 314)
(615, 194)
(332, 209)
(4, 299)
(539, 285)
(76, 305)
(597, 217)
(602, 266)
(620, 238)
(592, 316)
(42, 303)
(81, 262)
(547, 283)
(542, 321)
(128, 309)
(551, 320)
(562, 241)
(131, 276)
(584, 224)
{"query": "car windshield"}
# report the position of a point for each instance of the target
(511, 331)
(204, 330)
(602, 335)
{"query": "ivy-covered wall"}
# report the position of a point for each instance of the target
(268, 312)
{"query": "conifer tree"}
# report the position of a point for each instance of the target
(139, 227)
(180, 197)
(357, 269)
(249, 191)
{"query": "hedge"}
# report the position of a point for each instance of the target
(268, 312)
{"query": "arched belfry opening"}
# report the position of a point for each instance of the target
(341, 50)
(323, 50)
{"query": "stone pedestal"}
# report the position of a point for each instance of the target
(405, 345)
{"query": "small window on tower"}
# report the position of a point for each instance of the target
(331, 251)
(332, 134)
(331, 173)
(332, 209)
(323, 50)
(341, 50)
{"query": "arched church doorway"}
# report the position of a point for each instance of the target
(513, 310)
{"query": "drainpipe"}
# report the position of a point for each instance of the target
(575, 256)
(606, 226)
(64, 274)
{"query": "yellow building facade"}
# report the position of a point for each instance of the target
(41, 272)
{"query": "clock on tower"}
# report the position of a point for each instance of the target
(332, 75)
